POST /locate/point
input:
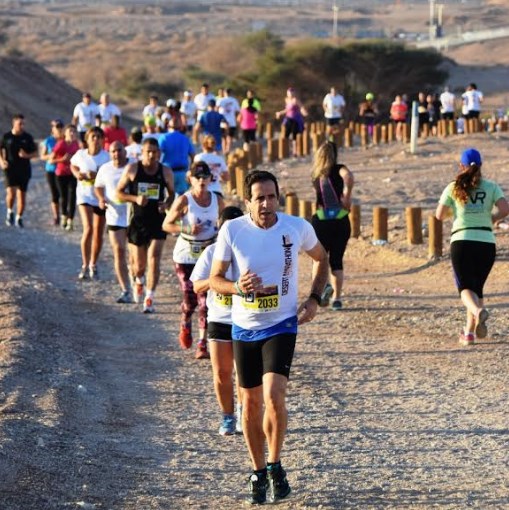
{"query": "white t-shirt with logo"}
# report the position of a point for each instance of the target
(188, 108)
(188, 248)
(107, 178)
(273, 254)
(219, 305)
(85, 113)
(334, 106)
(473, 99)
(202, 102)
(447, 99)
(217, 166)
(107, 111)
(229, 107)
(88, 163)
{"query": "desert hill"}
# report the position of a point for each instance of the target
(29, 88)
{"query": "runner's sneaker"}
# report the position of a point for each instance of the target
(9, 220)
(92, 272)
(481, 330)
(63, 222)
(337, 305)
(69, 226)
(148, 305)
(238, 421)
(201, 350)
(326, 295)
(185, 336)
(19, 222)
(125, 297)
(83, 274)
(227, 427)
(139, 292)
(278, 484)
(258, 489)
(466, 339)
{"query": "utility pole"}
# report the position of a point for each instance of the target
(335, 10)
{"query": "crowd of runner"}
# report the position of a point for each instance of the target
(237, 269)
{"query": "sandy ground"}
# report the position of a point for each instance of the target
(100, 409)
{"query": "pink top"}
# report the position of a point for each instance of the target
(61, 149)
(248, 119)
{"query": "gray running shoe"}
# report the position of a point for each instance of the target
(125, 297)
(337, 305)
(9, 220)
(258, 489)
(279, 487)
(92, 272)
(326, 295)
(83, 274)
(19, 223)
(481, 330)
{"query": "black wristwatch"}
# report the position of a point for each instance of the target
(316, 297)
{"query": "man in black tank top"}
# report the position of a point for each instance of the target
(148, 186)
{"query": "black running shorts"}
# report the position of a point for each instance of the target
(219, 332)
(271, 355)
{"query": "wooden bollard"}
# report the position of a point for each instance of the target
(269, 131)
(384, 133)
(252, 159)
(298, 145)
(240, 175)
(425, 130)
(492, 125)
(504, 125)
(435, 246)
(259, 152)
(305, 209)
(377, 134)
(291, 204)
(390, 132)
(364, 135)
(380, 221)
(452, 127)
(406, 133)
(232, 181)
(413, 225)
(272, 149)
(355, 220)
(284, 148)
(348, 138)
(306, 145)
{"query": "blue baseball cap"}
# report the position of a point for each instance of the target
(471, 157)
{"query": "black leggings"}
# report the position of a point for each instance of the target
(472, 262)
(51, 179)
(67, 187)
(334, 235)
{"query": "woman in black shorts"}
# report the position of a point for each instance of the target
(333, 185)
(476, 204)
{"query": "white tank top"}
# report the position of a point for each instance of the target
(189, 247)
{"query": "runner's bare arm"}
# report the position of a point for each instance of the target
(170, 185)
(502, 210)
(443, 212)
(217, 280)
(173, 221)
(99, 193)
(307, 310)
(348, 181)
(201, 286)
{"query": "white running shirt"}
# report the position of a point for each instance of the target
(273, 255)
(334, 106)
(219, 305)
(229, 107)
(87, 163)
(85, 113)
(107, 178)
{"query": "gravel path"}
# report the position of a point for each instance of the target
(100, 409)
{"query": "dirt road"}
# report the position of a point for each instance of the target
(100, 409)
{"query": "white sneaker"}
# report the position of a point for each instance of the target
(148, 305)
(138, 293)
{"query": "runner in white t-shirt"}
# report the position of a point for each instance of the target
(84, 113)
(188, 109)
(448, 104)
(117, 221)
(216, 163)
(84, 165)
(229, 107)
(201, 101)
(472, 99)
(219, 333)
(333, 107)
(263, 250)
(107, 109)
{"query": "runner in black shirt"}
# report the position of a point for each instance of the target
(16, 149)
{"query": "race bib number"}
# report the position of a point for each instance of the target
(149, 190)
(223, 300)
(87, 182)
(265, 300)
